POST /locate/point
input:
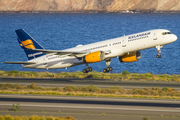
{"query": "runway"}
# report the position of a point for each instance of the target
(91, 108)
(86, 82)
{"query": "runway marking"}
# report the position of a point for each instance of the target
(129, 109)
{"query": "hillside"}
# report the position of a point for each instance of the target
(89, 5)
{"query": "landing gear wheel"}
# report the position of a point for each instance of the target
(109, 68)
(105, 70)
(158, 56)
(85, 71)
(90, 69)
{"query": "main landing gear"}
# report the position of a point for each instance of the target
(88, 69)
(106, 70)
(158, 51)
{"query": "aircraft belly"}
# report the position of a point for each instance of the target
(61, 63)
(114, 53)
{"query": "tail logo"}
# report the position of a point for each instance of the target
(28, 44)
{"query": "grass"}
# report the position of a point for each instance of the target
(15, 107)
(125, 75)
(145, 118)
(34, 117)
(153, 93)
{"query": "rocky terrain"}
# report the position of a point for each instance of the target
(89, 5)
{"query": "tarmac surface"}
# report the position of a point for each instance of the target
(86, 82)
(91, 108)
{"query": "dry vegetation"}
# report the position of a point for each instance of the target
(34, 117)
(164, 93)
(125, 75)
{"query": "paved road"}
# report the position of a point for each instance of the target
(86, 82)
(91, 108)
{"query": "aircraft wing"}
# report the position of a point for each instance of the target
(19, 62)
(57, 52)
(64, 52)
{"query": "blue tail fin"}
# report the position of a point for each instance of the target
(26, 41)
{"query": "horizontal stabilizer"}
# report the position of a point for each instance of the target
(19, 62)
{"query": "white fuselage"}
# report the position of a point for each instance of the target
(117, 47)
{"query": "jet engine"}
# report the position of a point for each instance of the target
(130, 57)
(94, 57)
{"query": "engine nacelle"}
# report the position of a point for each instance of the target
(130, 57)
(94, 57)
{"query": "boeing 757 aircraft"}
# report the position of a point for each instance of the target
(126, 49)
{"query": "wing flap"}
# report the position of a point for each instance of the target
(19, 62)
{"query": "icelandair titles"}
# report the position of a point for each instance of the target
(139, 35)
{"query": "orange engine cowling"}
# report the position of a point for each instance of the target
(94, 57)
(130, 57)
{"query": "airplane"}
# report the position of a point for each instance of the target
(125, 48)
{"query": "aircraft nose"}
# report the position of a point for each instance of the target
(174, 37)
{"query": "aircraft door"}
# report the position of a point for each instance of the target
(45, 59)
(123, 43)
(154, 36)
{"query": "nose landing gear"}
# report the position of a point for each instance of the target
(106, 70)
(158, 56)
(158, 51)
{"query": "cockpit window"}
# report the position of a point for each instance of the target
(165, 33)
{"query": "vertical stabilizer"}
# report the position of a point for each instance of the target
(26, 41)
